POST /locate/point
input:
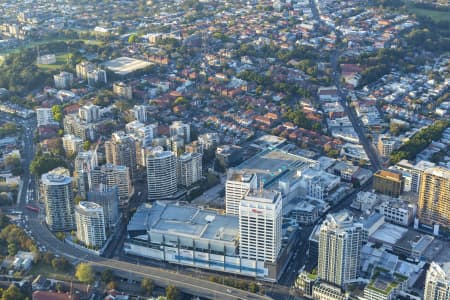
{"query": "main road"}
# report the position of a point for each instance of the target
(161, 277)
(27, 156)
(343, 95)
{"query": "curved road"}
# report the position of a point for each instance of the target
(161, 277)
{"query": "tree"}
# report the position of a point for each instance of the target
(107, 275)
(12, 249)
(211, 180)
(4, 198)
(147, 286)
(86, 145)
(12, 293)
(253, 287)
(172, 293)
(8, 128)
(60, 287)
(112, 285)
(84, 273)
(57, 112)
(4, 220)
(60, 235)
(61, 264)
(42, 163)
(132, 39)
(47, 257)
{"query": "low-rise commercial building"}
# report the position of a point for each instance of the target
(388, 183)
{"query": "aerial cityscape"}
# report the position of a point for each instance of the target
(225, 149)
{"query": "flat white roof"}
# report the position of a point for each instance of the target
(125, 65)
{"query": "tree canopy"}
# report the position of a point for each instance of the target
(84, 273)
(419, 141)
(42, 163)
(147, 286)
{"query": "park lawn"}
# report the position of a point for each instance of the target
(43, 42)
(46, 270)
(61, 60)
(437, 16)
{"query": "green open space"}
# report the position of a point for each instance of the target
(46, 270)
(435, 15)
(4, 52)
(61, 60)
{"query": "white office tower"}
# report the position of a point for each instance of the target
(85, 162)
(58, 199)
(111, 176)
(340, 242)
(238, 184)
(108, 198)
(260, 220)
(140, 113)
(437, 282)
(189, 168)
(89, 113)
(182, 130)
(161, 174)
(44, 116)
(90, 224)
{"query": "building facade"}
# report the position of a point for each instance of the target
(113, 176)
(161, 174)
(90, 223)
(238, 184)
(182, 130)
(82, 69)
(140, 113)
(260, 220)
(388, 183)
(108, 199)
(84, 163)
(434, 197)
(123, 90)
(398, 211)
(386, 145)
(340, 242)
(121, 151)
(44, 116)
(191, 237)
(63, 80)
(437, 282)
(57, 192)
(189, 169)
(89, 113)
(413, 172)
(72, 144)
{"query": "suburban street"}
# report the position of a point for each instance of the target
(343, 93)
